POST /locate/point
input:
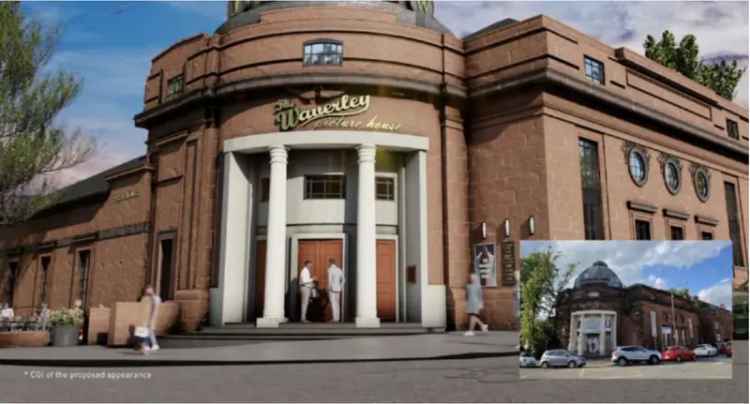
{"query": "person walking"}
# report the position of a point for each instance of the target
(474, 304)
(335, 287)
(306, 285)
(154, 301)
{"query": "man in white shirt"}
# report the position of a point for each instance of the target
(306, 284)
(335, 287)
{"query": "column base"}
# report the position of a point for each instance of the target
(266, 322)
(371, 322)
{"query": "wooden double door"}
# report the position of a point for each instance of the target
(318, 252)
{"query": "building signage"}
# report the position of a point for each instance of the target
(510, 276)
(334, 114)
(485, 264)
(124, 196)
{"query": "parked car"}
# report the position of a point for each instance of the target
(725, 348)
(560, 358)
(625, 355)
(705, 350)
(677, 353)
(527, 361)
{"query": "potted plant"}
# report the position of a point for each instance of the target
(65, 325)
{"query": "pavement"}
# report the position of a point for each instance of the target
(479, 379)
(380, 348)
(718, 367)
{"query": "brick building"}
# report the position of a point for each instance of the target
(260, 134)
(599, 313)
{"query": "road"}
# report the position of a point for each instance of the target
(460, 380)
(718, 367)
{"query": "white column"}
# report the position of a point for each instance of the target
(614, 331)
(602, 335)
(367, 315)
(233, 264)
(273, 305)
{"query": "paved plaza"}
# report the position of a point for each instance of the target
(450, 379)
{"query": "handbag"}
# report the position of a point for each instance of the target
(141, 332)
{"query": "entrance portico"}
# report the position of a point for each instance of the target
(230, 299)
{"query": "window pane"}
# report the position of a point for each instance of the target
(325, 187)
(384, 189)
(642, 230)
(591, 190)
(677, 233)
(322, 53)
(734, 224)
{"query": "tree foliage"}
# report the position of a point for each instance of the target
(32, 145)
(541, 283)
(721, 77)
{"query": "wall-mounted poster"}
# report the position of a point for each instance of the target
(484, 264)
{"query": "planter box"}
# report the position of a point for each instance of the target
(65, 335)
(125, 316)
(24, 338)
(98, 325)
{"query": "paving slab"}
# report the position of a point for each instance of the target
(377, 348)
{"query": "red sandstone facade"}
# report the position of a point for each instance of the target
(503, 110)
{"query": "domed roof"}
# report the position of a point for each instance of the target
(419, 13)
(598, 274)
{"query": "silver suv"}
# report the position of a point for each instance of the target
(624, 355)
(560, 358)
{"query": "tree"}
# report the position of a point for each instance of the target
(32, 145)
(541, 283)
(721, 77)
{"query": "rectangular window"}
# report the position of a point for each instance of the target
(591, 189)
(265, 189)
(707, 235)
(175, 85)
(10, 285)
(594, 69)
(45, 262)
(325, 187)
(676, 232)
(84, 263)
(732, 129)
(642, 230)
(324, 52)
(734, 223)
(384, 188)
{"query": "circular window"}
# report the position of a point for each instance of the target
(701, 183)
(672, 175)
(637, 167)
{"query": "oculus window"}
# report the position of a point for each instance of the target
(701, 183)
(323, 52)
(594, 69)
(672, 172)
(325, 187)
(638, 166)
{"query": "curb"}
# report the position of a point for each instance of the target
(177, 362)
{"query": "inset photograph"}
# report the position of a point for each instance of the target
(626, 310)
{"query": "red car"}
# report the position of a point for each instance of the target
(726, 349)
(677, 353)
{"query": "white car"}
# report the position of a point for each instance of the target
(527, 361)
(705, 350)
(625, 355)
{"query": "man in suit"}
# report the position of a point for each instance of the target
(335, 287)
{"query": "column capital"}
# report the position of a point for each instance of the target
(278, 154)
(366, 152)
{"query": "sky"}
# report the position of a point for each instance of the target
(703, 267)
(109, 45)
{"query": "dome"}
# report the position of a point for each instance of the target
(598, 274)
(419, 13)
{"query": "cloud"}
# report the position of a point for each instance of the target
(718, 294)
(629, 258)
(657, 282)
